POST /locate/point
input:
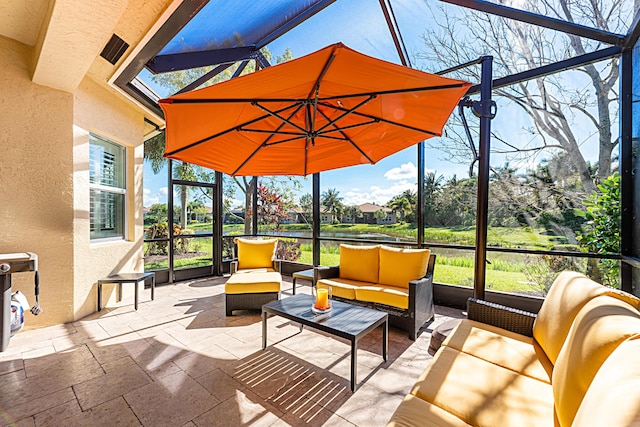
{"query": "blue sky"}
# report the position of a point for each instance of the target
(366, 31)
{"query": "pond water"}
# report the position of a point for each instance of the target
(341, 235)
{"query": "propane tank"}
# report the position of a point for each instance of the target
(19, 304)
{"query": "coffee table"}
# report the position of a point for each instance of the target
(344, 320)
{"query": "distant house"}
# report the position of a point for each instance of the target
(368, 210)
(236, 216)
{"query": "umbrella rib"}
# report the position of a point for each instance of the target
(346, 113)
(278, 116)
(265, 143)
(273, 132)
(235, 128)
(380, 119)
(355, 125)
(348, 139)
(394, 91)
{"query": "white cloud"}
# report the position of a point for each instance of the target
(164, 191)
(148, 199)
(376, 194)
(405, 171)
(235, 203)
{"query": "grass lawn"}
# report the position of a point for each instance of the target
(501, 275)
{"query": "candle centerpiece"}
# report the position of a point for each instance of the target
(322, 299)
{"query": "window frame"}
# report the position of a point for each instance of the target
(121, 191)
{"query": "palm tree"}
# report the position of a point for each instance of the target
(404, 203)
(153, 152)
(332, 202)
(353, 212)
(306, 204)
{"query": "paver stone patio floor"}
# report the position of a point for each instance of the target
(179, 361)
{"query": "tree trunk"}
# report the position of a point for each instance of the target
(248, 200)
(184, 191)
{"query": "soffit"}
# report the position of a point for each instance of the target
(75, 33)
(134, 25)
(21, 20)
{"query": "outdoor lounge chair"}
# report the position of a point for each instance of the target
(255, 277)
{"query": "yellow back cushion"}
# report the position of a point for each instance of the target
(568, 294)
(256, 253)
(613, 399)
(399, 266)
(599, 328)
(359, 263)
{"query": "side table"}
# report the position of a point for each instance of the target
(121, 278)
(440, 333)
(304, 274)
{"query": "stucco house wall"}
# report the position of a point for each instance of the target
(36, 172)
(44, 207)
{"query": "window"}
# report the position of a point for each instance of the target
(107, 188)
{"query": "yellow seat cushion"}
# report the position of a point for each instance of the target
(501, 347)
(253, 283)
(400, 266)
(343, 288)
(383, 294)
(256, 253)
(613, 398)
(415, 412)
(599, 328)
(483, 394)
(255, 270)
(359, 263)
(568, 294)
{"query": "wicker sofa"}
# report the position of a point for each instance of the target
(397, 281)
(574, 364)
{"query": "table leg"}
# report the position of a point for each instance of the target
(294, 285)
(99, 295)
(354, 362)
(264, 330)
(136, 294)
(119, 296)
(385, 339)
(153, 287)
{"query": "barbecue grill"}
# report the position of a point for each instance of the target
(10, 264)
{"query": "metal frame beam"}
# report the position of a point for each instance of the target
(482, 206)
(204, 78)
(316, 219)
(628, 199)
(188, 60)
(634, 32)
(289, 25)
(541, 20)
(218, 208)
(545, 70)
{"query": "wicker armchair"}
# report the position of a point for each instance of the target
(255, 278)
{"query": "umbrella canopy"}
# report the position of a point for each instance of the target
(330, 109)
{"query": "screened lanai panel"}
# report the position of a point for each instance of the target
(225, 24)
(455, 35)
(611, 15)
(359, 24)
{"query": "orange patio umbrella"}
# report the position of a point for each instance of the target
(332, 108)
